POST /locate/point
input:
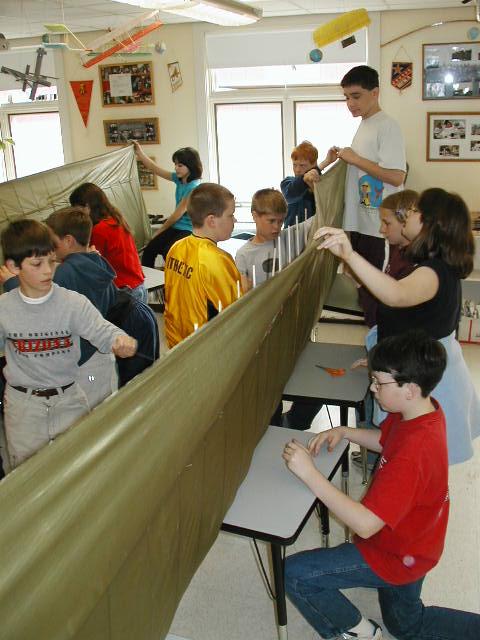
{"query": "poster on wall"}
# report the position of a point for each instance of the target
(453, 136)
(126, 84)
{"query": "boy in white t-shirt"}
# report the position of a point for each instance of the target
(376, 164)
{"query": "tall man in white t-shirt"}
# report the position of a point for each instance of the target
(376, 166)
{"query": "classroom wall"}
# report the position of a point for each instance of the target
(409, 109)
(178, 112)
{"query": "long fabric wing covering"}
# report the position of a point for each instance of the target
(102, 531)
(39, 195)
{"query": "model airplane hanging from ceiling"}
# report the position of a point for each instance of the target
(32, 80)
(341, 28)
(118, 40)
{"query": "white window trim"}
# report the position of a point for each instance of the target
(240, 100)
(63, 109)
(205, 99)
(60, 106)
(8, 110)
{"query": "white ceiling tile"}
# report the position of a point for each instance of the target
(23, 18)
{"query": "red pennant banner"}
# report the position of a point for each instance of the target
(402, 73)
(82, 90)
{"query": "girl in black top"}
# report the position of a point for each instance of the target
(442, 248)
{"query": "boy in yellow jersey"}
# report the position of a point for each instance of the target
(200, 278)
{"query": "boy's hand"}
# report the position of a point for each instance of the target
(5, 273)
(93, 249)
(348, 155)
(124, 346)
(332, 155)
(298, 460)
(310, 177)
(332, 437)
(361, 362)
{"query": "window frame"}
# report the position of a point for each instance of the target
(245, 102)
(61, 105)
(8, 110)
(330, 93)
(206, 97)
(295, 137)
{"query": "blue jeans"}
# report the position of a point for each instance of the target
(140, 293)
(313, 580)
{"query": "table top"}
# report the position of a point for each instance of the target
(153, 277)
(309, 382)
(272, 504)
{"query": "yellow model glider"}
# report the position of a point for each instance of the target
(341, 27)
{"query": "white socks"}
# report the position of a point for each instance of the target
(363, 629)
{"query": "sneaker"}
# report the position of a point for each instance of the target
(350, 635)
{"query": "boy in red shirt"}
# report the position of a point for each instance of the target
(401, 522)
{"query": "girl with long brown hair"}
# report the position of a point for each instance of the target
(112, 237)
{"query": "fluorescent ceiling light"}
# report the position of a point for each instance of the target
(223, 12)
(227, 13)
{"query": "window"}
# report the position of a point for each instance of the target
(262, 96)
(35, 129)
(38, 142)
(254, 140)
(249, 145)
(324, 124)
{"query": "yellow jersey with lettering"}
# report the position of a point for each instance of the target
(200, 280)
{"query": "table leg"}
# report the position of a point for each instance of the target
(279, 580)
(364, 458)
(363, 450)
(345, 477)
(324, 516)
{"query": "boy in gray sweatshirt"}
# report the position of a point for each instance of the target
(40, 329)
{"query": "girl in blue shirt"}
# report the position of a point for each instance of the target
(187, 176)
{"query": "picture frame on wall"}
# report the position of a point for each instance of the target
(126, 84)
(147, 178)
(175, 75)
(451, 71)
(120, 132)
(453, 136)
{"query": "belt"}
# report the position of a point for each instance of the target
(43, 393)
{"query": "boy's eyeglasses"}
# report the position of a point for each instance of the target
(376, 384)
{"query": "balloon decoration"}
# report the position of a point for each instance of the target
(315, 55)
